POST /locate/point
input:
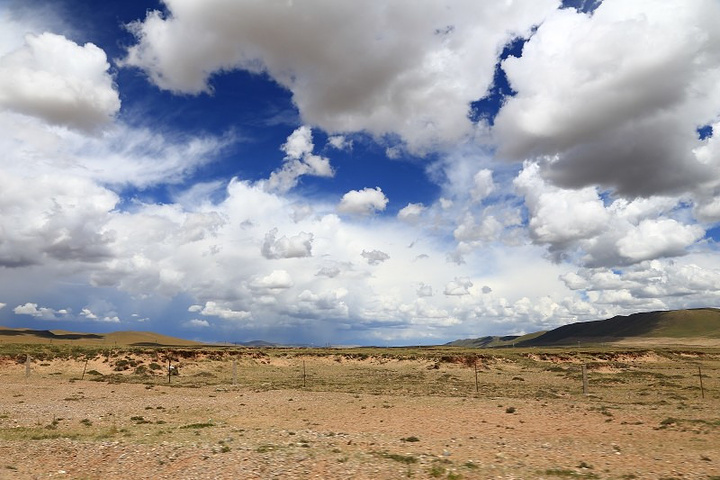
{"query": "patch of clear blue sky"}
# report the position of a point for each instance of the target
(260, 115)
(704, 132)
(251, 108)
(585, 6)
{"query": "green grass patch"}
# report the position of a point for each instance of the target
(406, 459)
(198, 425)
(566, 473)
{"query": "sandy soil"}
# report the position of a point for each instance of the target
(55, 426)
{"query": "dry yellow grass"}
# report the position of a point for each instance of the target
(361, 413)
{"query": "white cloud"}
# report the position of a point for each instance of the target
(63, 83)
(411, 212)
(375, 257)
(578, 223)
(275, 280)
(68, 217)
(424, 290)
(43, 313)
(658, 238)
(459, 286)
(330, 272)
(483, 227)
(2, 305)
(340, 142)
(27, 309)
(213, 309)
(483, 185)
(197, 323)
(100, 310)
(323, 305)
(560, 216)
(656, 284)
(121, 156)
(299, 161)
(297, 246)
(407, 68)
(87, 313)
(265, 259)
(649, 74)
(363, 202)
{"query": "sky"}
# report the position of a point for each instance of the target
(356, 173)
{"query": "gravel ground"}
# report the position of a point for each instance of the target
(55, 427)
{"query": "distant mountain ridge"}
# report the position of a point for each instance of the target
(675, 326)
(699, 323)
(126, 338)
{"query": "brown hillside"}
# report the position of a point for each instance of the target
(62, 337)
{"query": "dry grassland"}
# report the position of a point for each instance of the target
(359, 414)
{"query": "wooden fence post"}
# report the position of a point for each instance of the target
(27, 366)
(234, 381)
(702, 390)
(585, 379)
(477, 387)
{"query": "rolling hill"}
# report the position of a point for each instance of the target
(677, 326)
(62, 337)
(494, 341)
(694, 326)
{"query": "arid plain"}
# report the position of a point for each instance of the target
(448, 413)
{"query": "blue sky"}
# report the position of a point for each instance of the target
(356, 172)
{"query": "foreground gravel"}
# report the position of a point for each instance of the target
(53, 427)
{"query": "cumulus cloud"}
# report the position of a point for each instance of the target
(577, 223)
(656, 284)
(100, 310)
(313, 305)
(330, 272)
(297, 246)
(559, 216)
(87, 313)
(658, 238)
(197, 323)
(483, 185)
(274, 281)
(424, 290)
(405, 68)
(649, 75)
(340, 142)
(213, 309)
(299, 161)
(59, 81)
(264, 259)
(411, 213)
(363, 202)
(375, 257)
(473, 227)
(70, 216)
(43, 313)
(458, 287)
